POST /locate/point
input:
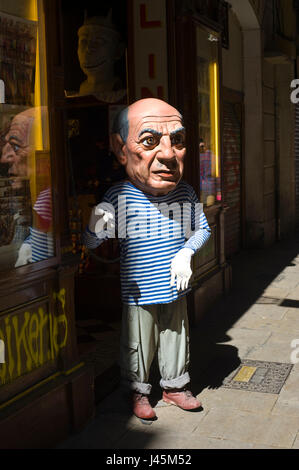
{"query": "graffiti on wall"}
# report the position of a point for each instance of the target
(32, 338)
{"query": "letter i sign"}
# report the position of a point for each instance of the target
(150, 24)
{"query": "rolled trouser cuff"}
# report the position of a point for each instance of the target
(139, 387)
(178, 382)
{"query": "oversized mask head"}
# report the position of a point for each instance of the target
(149, 141)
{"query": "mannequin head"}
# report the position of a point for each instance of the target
(99, 47)
(149, 141)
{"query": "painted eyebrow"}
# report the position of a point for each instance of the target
(181, 129)
(152, 131)
(13, 137)
(13, 140)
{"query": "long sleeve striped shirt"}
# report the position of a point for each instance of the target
(151, 230)
(41, 241)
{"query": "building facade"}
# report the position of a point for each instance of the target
(65, 71)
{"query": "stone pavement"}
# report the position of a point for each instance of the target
(258, 320)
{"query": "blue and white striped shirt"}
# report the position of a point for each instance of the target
(150, 238)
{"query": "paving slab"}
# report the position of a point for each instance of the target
(296, 443)
(277, 348)
(293, 293)
(253, 428)
(276, 292)
(245, 340)
(238, 400)
(162, 441)
(288, 400)
(270, 311)
(170, 440)
(264, 318)
(289, 323)
(286, 280)
(172, 418)
(281, 319)
(97, 435)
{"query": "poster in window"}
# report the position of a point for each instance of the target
(18, 38)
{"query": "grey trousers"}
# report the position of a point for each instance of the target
(146, 328)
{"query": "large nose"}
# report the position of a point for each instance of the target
(167, 153)
(8, 154)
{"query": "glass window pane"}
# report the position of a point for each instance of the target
(26, 233)
(208, 116)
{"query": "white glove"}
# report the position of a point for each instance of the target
(99, 218)
(24, 255)
(181, 269)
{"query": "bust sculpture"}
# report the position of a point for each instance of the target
(99, 48)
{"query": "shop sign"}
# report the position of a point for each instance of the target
(150, 49)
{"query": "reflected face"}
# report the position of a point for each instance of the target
(17, 148)
(155, 148)
(202, 147)
(97, 48)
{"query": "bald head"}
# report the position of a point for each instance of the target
(152, 107)
(144, 107)
(149, 141)
(19, 143)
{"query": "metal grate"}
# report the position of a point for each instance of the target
(258, 376)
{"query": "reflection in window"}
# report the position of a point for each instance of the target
(208, 116)
(26, 232)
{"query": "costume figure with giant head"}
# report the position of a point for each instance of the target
(149, 141)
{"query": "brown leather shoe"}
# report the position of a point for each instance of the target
(182, 398)
(141, 406)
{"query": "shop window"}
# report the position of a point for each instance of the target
(208, 116)
(95, 56)
(95, 88)
(26, 230)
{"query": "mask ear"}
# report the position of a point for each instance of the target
(117, 146)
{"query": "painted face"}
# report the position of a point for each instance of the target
(97, 48)
(17, 148)
(155, 148)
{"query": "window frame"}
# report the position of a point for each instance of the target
(183, 88)
(16, 275)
